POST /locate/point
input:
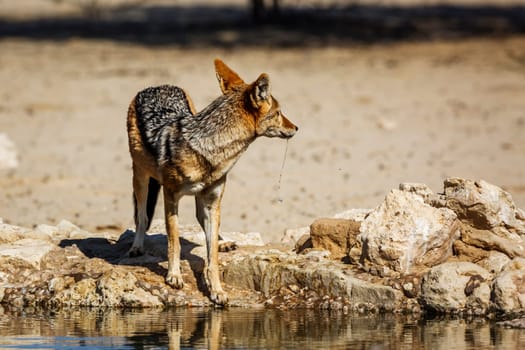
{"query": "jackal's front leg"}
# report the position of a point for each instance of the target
(208, 213)
(171, 209)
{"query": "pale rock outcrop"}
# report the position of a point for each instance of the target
(407, 235)
(457, 287)
(420, 189)
(292, 235)
(490, 219)
(357, 215)
(29, 250)
(509, 287)
(82, 293)
(12, 233)
(495, 262)
(268, 272)
(121, 288)
(73, 267)
(467, 252)
(397, 258)
(487, 240)
(485, 206)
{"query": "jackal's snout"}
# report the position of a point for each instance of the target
(288, 128)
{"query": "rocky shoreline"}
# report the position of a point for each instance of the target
(460, 252)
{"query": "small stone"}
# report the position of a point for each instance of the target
(56, 284)
(408, 289)
(495, 262)
(294, 288)
(317, 255)
(292, 235)
(47, 229)
(67, 226)
(304, 242)
(336, 305)
(18, 302)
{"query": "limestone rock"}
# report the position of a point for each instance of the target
(270, 271)
(12, 233)
(119, 288)
(48, 230)
(357, 215)
(406, 239)
(337, 236)
(483, 205)
(303, 243)
(420, 189)
(456, 286)
(467, 252)
(82, 293)
(292, 235)
(509, 287)
(511, 245)
(406, 235)
(29, 250)
(69, 230)
(495, 262)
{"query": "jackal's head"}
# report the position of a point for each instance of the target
(268, 118)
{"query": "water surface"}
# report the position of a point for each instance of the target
(245, 329)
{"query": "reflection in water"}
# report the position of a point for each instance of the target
(247, 329)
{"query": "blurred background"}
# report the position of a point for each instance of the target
(383, 91)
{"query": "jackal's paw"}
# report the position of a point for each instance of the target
(175, 280)
(227, 246)
(134, 252)
(219, 297)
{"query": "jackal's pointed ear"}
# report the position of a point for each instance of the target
(260, 91)
(227, 78)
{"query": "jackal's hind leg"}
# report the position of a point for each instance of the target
(171, 208)
(140, 197)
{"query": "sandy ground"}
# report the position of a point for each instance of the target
(370, 117)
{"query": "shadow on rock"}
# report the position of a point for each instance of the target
(155, 256)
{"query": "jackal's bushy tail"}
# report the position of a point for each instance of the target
(153, 194)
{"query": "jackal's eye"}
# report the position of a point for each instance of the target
(271, 115)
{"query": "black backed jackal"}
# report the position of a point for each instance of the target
(189, 153)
